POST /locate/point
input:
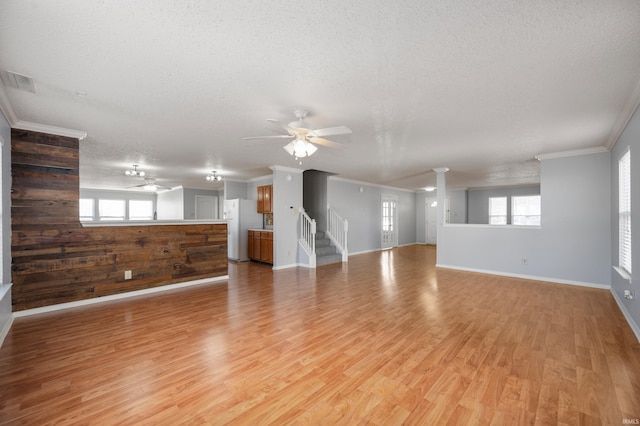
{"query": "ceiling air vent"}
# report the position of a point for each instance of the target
(21, 82)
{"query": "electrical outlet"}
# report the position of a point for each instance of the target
(628, 294)
(127, 275)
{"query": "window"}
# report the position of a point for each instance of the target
(624, 212)
(525, 210)
(86, 208)
(111, 209)
(140, 210)
(497, 210)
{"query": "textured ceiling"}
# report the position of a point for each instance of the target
(478, 87)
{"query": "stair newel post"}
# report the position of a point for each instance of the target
(313, 236)
(345, 251)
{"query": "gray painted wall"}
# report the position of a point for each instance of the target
(363, 211)
(630, 138)
(190, 200)
(572, 245)
(457, 205)
(479, 201)
(252, 187)
(287, 200)
(421, 213)
(233, 190)
(314, 196)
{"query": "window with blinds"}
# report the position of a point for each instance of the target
(624, 212)
(497, 210)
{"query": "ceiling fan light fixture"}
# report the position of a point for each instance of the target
(310, 148)
(300, 148)
(290, 148)
(150, 187)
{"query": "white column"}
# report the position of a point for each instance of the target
(441, 182)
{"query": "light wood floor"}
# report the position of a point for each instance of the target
(388, 339)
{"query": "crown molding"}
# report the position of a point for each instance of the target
(286, 169)
(259, 178)
(53, 130)
(16, 123)
(6, 107)
(572, 153)
(623, 119)
(374, 185)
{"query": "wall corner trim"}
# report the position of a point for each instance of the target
(5, 329)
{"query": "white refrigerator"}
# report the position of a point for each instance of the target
(241, 215)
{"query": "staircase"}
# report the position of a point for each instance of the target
(325, 250)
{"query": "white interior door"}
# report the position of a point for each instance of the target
(431, 218)
(389, 221)
(206, 207)
(431, 208)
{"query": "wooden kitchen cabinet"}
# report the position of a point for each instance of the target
(265, 199)
(254, 245)
(261, 246)
(266, 247)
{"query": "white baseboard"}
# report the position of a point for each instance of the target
(69, 305)
(634, 327)
(291, 265)
(527, 277)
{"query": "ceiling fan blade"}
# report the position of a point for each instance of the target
(268, 137)
(280, 125)
(329, 131)
(324, 142)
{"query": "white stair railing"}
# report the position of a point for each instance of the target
(337, 230)
(308, 236)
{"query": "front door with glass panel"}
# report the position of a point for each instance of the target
(389, 221)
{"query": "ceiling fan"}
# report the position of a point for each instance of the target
(149, 185)
(302, 144)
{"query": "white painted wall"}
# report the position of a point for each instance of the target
(630, 138)
(572, 245)
(170, 204)
(5, 217)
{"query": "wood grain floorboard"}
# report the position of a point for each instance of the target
(387, 339)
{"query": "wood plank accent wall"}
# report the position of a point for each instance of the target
(56, 260)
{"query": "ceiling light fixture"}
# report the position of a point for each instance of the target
(135, 172)
(214, 177)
